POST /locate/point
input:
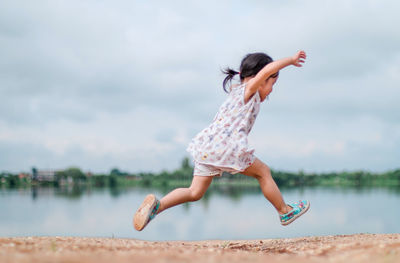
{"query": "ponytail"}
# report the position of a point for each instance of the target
(231, 73)
(249, 67)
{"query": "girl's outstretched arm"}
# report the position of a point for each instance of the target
(273, 67)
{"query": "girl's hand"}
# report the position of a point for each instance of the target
(299, 58)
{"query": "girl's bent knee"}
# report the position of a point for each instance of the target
(196, 195)
(265, 172)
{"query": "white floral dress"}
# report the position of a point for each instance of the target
(224, 144)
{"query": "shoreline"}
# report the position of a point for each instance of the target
(340, 248)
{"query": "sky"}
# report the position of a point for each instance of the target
(127, 84)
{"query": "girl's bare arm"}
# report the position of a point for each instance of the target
(273, 67)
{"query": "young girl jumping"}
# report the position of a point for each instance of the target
(223, 146)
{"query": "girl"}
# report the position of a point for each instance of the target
(223, 147)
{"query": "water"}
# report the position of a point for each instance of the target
(223, 214)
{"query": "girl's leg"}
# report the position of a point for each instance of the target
(182, 195)
(262, 173)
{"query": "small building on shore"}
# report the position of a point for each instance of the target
(44, 175)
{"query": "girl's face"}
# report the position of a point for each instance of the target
(266, 88)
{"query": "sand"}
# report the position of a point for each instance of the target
(343, 248)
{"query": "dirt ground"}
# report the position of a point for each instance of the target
(344, 248)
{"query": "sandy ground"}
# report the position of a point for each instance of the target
(348, 248)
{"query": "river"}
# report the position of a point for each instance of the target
(224, 213)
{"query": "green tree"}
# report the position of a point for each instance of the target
(116, 172)
(73, 172)
(185, 164)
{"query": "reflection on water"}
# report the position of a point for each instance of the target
(223, 213)
(71, 192)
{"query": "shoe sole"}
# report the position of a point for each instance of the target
(297, 216)
(142, 215)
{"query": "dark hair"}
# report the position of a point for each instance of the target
(251, 64)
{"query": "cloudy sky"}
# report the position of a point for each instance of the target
(127, 84)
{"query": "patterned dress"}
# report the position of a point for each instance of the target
(224, 144)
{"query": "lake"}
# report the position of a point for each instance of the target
(224, 213)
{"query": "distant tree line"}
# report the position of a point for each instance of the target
(183, 176)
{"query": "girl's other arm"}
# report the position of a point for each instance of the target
(273, 67)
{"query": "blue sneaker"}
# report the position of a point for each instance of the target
(298, 209)
(146, 212)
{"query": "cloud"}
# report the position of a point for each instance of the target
(128, 84)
